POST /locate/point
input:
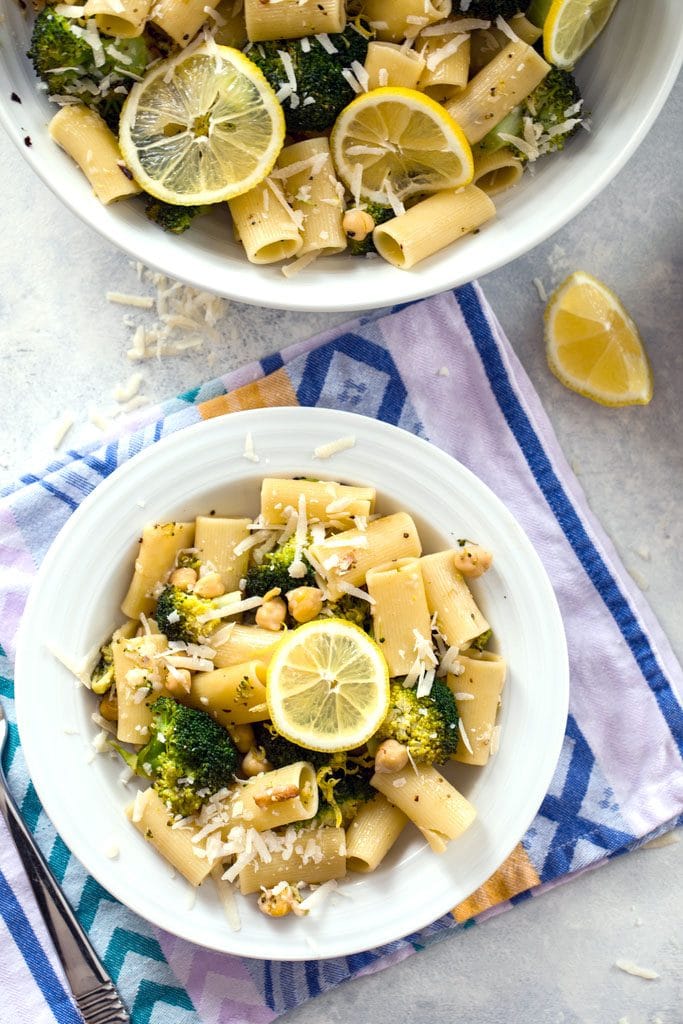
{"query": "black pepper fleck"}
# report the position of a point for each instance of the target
(28, 141)
(14, 98)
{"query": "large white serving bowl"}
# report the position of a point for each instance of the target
(625, 77)
(74, 605)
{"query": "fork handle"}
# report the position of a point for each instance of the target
(81, 963)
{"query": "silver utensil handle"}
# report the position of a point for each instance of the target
(89, 981)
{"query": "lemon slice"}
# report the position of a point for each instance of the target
(401, 141)
(328, 686)
(201, 127)
(571, 27)
(593, 345)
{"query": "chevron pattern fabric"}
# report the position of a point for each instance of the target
(606, 797)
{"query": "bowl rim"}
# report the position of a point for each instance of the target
(174, 922)
(252, 289)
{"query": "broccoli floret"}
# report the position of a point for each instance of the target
(379, 214)
(175, 219)
(353, 609)
(102, 675)
(54, 44)
(274, 572)
(427, 726)
(318, 76)
(280, 751)
(342, 794)
(179, 614)
(189, 757)
(546, 106)
(482, 641)
(492, 9)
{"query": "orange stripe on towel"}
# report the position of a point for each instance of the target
(515, 875)
(275, 389)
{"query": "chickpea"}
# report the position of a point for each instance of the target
(184, 578)
(358, 224)
(254, 762)
(271, 614)
(109, 706)
(391, 756)
(305, 603)
(210, 585)
(242, 737)
(472, 560)
(283, 899)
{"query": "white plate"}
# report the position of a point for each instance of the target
(625, 77)
(74, 603)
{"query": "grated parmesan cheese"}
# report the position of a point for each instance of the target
(639, 972)
(463, 735)
(326, 451)
(249, 452)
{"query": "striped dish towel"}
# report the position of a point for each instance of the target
(443, 369)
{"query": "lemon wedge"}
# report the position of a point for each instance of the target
(593, 346)
(394, 140)
(571, 27)
(202, 127)
(328, 686)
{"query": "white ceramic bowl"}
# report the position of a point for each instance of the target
(626, 78)
(74, 605)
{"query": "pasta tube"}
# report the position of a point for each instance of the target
(140, 677)
(181, 19)
(496, 89)
(159, 547)
(431, 225)
(437, 808)
(234, 695)
(216, 539)
(458, 618)
(399, 610)
(244, 643)
(123, 18)
(276, 798)
(89, 142)
(372, 833)
(400, 19)
(265, 223)
(346, 557)
(496, 172)
(389, 64)
(313, 191)
(477, 696)
(447, 63)
(151, 818)
(325, 500)
(292, 19)
(316, 857)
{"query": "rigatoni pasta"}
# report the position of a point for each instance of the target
(432, 224)
(92, 145)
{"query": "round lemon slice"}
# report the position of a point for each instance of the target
(327, 686)
(571, 27)
(593, 345)
(401, 142)
(201, 127)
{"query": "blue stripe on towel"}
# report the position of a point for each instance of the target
(566, 514)
(30, 948)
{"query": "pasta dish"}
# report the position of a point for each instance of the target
(377, 128)
(289, 686)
